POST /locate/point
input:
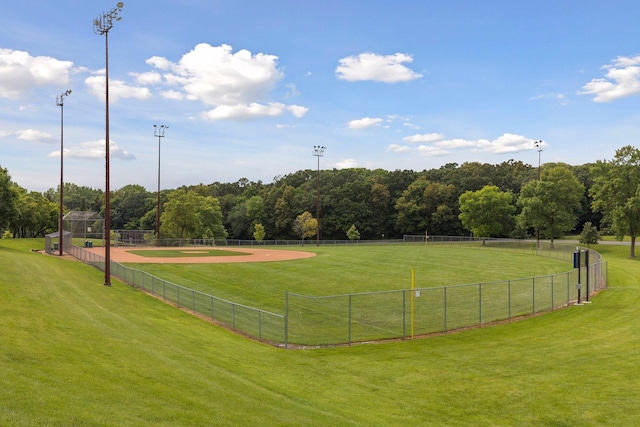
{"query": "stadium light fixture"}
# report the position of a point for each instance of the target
(159, 133)
(318, 151)
(101, 26)
(60, 103)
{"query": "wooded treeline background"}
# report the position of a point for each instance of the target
(380, 204)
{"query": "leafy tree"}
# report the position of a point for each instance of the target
(238, 221)
(187, 215)
(283, 210)
(259, 233)
(590, 235)
(255, 211)
(487, 212)
(8, 198)
(211, 217)
(551, 204)
(129, 205)
(305, 225)
(616, 193)
(353, 233)
(35, 215)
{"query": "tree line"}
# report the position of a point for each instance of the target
(510, 199)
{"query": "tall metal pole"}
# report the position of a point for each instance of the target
(318, 151)
(60, 103)
(538, 145)
(159, 133)
(101, 26)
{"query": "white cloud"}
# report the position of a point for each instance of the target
(117, 89)
(34, 135)
(94, 150)
(426, 137)
(436, 145)
(371, 66)
(243, 112)
(431, 151)
(346, 164)
(19, 72)
(622, 79)
(297, 110)
(364, 123)
(399, 148)
(236, 84)
(506, 143)
(149, 78)
(560, 98)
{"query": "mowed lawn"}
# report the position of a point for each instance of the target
(339, 270)
(74, 352)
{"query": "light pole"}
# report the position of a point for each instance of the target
(538, 145)
(60, 103)
(101, 26)
(318, 151)
(159, 133)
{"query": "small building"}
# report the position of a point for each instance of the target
(52, 242)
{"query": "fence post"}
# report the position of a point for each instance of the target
(445, 309)
(480, 303)
(350, 319)
(552, 305)
(286, 320)
(533, 295)
(509, 297)
(404, 314)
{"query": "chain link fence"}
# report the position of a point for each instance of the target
(400, 314)
(252, 322)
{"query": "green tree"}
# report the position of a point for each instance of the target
(487, 212)
(589, 235)
(616, 193)
(180, 217)
(8, 198)
(353, 233)
(305, 226)
(211, 218)
(259, 232)
(187, 215)
(552, 203)
(129, 205)
(35, 215)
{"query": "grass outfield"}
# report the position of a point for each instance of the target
(74, 352)
(338, 270)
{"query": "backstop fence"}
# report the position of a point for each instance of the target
(310, 321)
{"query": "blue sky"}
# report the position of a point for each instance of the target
(248, 88)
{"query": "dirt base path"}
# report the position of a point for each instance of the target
(123, 254)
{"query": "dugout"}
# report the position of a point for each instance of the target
(51, 242)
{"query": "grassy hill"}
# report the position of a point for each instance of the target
(74, 352)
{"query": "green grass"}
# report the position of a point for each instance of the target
(74, 352)
(353, 269)
(185, 253)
